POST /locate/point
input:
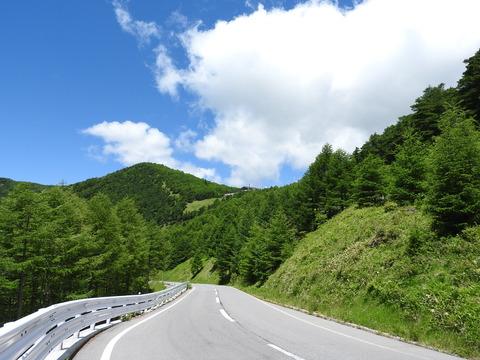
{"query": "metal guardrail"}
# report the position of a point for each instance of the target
(36, 335)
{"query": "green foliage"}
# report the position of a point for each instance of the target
(469, 87)
(55, 246)
(384, 145)
(428, 108)
(196, 264)
(325, 188)
(369, 182)
(424, 121)
(160, 193)
(408, 172)
(6, 185)
(454, 181)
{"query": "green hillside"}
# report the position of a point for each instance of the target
(8, 184)
(387, 271)
(161, 193)
(183, 272)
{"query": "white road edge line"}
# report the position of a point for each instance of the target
(289, 354)
(107, 352)
(225, 315)
(339, 333)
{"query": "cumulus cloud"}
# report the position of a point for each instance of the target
(281, 83)
(185, 141)
(134, 142)
(143, 31)
(166, 75)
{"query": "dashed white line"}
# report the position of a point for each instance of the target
(289, 354)
(217, 300)
(107, 352)
(226, 316)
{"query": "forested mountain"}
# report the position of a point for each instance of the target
(8, 184)
(408, 196)
(160, 193)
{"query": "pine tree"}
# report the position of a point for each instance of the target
(251, 255)
(369, 183)
(454, 180)
(132, 255)
(325, 187)
(21, 220)
(196, 264)
(428, 108)
(105, 272)
(408, 171)
(469, 87)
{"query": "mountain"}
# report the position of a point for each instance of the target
(161, 193)
(7, 184)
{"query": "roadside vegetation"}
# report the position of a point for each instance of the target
(386, 269)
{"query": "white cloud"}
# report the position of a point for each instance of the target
(134, 142)
(281, 83)
(166, 75)
(142, 30)
(185, 141)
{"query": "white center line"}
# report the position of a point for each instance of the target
(107, 352)
(226, 316)
(293, 356)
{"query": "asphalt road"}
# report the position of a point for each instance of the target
(219, 322)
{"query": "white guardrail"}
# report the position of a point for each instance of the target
(36, 335)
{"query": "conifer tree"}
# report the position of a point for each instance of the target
(469, 87)
(369, 183)
(408, 171)
(428, 108)
(454, 180)
(196, 264)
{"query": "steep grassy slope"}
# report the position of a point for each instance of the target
(182, 272)
(198, 204)
(384, 270)
(160, 192)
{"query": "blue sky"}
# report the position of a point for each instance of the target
(66, 67)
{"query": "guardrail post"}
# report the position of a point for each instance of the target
(92, 326)
(108, 321)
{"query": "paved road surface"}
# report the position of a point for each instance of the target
(219, 322)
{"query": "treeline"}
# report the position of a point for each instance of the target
(55, 246)
(430, 159)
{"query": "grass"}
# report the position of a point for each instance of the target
(198, 204)
(156, 285)
(182, 272)
(207, 275)
(386, 271)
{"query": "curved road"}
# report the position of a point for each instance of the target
(220, 322)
